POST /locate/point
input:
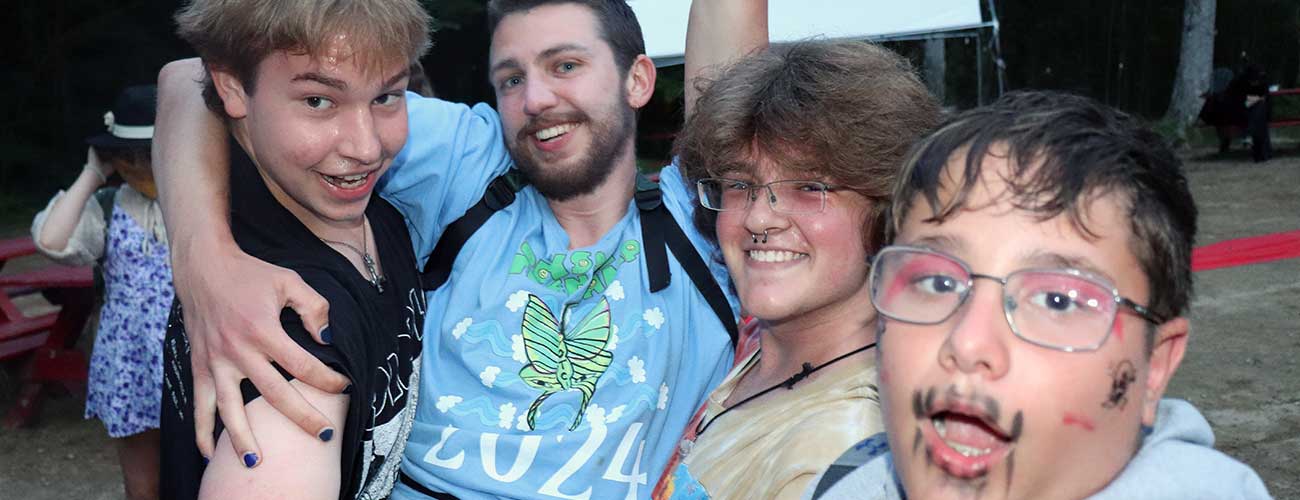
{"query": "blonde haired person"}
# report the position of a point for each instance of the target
(314, 95)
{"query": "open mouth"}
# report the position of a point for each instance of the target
(347, 181)
(550, 133)
(775, 256)
(965, 441)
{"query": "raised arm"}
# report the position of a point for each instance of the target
(721, 31)
(55, 226)
(232, 301)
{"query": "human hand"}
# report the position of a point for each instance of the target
(231, 303)
(102, 168)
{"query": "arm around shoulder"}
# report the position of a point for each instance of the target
(304, 466)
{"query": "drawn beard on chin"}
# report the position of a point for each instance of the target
(608, 138)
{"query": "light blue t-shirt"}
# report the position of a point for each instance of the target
(547, 372)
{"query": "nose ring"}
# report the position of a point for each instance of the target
(755, 236)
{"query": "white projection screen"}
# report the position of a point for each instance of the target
(664, 21)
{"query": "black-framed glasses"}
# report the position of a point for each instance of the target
(1065, 309)
(793, 197)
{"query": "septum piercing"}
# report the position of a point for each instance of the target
(755, 236)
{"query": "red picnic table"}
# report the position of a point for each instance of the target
(48, 339)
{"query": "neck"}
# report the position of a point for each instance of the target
(339, 230)
(588, 217)
(815, 337)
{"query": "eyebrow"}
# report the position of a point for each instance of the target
(1053, 259)
(945, 243)
(341, 85)
(512, 63)
(321, 79)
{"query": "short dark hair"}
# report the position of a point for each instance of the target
(1066, 150)
(841, 111)
(618, 25)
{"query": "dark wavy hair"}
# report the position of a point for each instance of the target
(1065, 151)
(842, 111)
(618, 24)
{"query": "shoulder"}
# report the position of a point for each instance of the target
(1177, 460)
(864, 471)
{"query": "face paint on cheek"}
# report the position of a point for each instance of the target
(1117, 327)
(1122, 375)
(1081, 421)
(1017, 427)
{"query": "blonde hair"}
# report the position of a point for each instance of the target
(236, 35)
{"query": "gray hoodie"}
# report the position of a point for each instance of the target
(1176, 461)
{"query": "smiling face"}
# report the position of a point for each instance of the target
(321, 130)
(567, 110)
(973, 411)
(810, 264)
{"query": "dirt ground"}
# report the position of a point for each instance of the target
(1241, 368)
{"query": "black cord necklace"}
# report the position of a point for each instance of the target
(808, 369)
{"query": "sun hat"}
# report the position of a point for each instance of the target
(130, 123)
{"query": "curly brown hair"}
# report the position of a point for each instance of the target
(841, 111)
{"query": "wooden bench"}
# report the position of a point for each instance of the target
(47, 340)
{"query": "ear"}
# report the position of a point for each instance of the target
(640, 83)
(231, 90)
(1170, 345)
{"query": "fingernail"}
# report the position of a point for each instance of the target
(206, 460)
(326, 435)
(250, 459)
(326, 335)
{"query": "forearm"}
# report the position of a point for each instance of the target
(718, 32)
(191, 164)
(65, 213)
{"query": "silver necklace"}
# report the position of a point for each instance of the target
(375, 280)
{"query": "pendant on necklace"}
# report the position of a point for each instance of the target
(374, 273)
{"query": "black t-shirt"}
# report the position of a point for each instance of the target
(376, 339)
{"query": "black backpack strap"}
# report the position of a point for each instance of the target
(500, 194)
(105, 196)
(659, 230)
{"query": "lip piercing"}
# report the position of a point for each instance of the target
(755, 236)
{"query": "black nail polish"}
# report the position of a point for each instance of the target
(326, 335)
(326, 435)
(250, 459)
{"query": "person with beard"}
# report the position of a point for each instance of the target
(560, 358)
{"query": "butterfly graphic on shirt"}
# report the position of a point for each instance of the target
(562, 359)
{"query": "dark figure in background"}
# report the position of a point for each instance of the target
(1252, 85)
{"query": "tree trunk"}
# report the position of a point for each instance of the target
(1194, 64)
(935, 67)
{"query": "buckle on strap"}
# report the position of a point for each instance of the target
(648, 196)
(500, 193)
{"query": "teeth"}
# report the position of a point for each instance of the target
(774, 255)
(553, 132)
(941, 427)
(346, 181)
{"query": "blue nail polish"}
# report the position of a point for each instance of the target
(326, 335)
(250, 459)
(326, 435)
(205, 460)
